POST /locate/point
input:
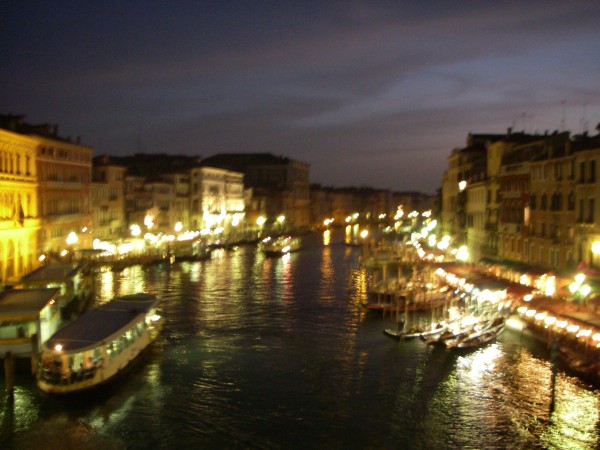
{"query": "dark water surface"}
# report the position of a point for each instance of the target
(261, 352)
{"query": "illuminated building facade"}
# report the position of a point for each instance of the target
(19, 218)
(216, 198)
(541, 197)
(65, 176)
(281, 183)
(586, 235)
(180, 201)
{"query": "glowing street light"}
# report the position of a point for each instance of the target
(463, 253)
(72, 238)
(135, 230)
(578, 289)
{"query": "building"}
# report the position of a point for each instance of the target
(216, 199)
(280, 186)
(539, 196)
(108, 199)
(63, 170)
(19, 217)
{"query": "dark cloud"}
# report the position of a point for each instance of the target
(375, 89)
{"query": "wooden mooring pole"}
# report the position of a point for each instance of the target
(9, 373)
(35, 353)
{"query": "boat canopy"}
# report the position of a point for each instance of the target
(101, 323)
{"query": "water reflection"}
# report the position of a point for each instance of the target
(278, 353)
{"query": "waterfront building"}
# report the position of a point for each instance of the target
(216, 199)
(281, 183)
(64, 173)
(462, 164)
(586, 233)
(548, 235)
(413, 201)
(138, 203)
(540, 202)
(19, 218)
(162, 199)
(63, 170)
(108, 199)
(181, 200)
(343, 204)
(476, 210)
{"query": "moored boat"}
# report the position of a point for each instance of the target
(98, 345)
(281, 245)
(422, 332)
(479, 336)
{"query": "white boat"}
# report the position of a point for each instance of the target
(190, 250)
(98, 345)
(27, 318)
(281, 245)
(422, 332)
(479, 335)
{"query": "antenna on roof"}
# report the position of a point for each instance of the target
(562, 115)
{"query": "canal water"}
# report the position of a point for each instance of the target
(277, 353)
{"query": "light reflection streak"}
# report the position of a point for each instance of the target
(132, 280)
(326, 291)
(483, 361)
(105, 289)
(327, 237)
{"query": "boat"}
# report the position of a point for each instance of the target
(281, 245)
(481, 335)
(479, 340)
(28, 317)
(191, 250)
(98, 345)
(74, 279)
(422, 332)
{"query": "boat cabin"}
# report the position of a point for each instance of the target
(73, 279)
(28, 317)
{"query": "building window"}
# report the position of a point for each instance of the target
(556, 202)
(590, 213)
(582, 172)
(571, 201)
(544, 203)
(592, 176)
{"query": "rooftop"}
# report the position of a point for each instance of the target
(25, 301)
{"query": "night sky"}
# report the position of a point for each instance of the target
(368, 93)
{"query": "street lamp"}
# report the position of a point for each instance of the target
(280, 220)
(578, 289)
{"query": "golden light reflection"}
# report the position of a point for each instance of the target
(575, 418)
(105, 291)
(195, 270)
(327, 237)
(477, 364)
(326, 291)
(132, 280)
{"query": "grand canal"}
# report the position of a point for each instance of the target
(262, 352)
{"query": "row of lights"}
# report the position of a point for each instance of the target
(561, 325)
